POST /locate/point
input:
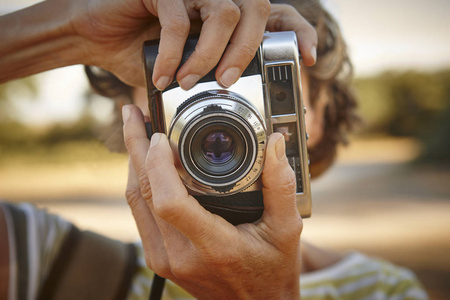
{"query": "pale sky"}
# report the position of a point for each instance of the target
(381, 35)
(390, 34)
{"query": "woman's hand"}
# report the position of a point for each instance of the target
(114, 31)
(110, 33)
(285, 17)
(200, 251)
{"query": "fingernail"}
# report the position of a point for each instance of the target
(280, 148)
(162, 82)
(155, 139)
(230, 76)
(314, 53)
(125, 113)
(189, 81)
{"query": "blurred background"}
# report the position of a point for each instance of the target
(388, 195)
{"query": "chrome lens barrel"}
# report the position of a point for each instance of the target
(219, 139)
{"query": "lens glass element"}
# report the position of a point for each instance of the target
(218, 147)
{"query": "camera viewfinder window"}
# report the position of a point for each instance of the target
(280, 86)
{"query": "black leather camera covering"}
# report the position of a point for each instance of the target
(150, 52)
(244, 207)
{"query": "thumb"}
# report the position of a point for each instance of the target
(279, 184)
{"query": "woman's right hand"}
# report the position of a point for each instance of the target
(114, 30)
(109, 34)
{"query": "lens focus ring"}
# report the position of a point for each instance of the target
(220, 141)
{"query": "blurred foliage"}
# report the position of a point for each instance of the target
(400, 104)
(83, 129)
(403, 104)
(59, 144)
(15, 136)
(409, 104)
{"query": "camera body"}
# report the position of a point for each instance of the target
(218, 135)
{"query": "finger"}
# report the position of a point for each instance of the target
(245, 40)
(175, 27)
(169, 241)
(279, 185)
(153, 243)
(220, 18)
(171, 200)
(136, 140)
(137, 144)
(287, 18)
(138, 193)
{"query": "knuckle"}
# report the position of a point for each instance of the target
(297, 227)
(207, 56)
(281, 13)
(287, 8)
(133, 195)
(227, 14)
(168, 209)
(145, 187)
(159, 265)
(229, 11)
(133, 144)
(289, 237)
(168, 60)
(263, 8)
(248, 50)
(129, 141)
(183, 270)
(178, 26)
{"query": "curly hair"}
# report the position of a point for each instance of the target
(329, 79)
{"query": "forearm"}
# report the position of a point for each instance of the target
(37, 39)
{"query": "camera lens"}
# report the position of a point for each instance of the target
(218, 147)
(219, 138)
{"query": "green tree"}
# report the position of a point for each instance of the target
(411, 104)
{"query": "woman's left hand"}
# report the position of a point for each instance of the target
(200, 251)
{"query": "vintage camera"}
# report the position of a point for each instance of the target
(218, 135)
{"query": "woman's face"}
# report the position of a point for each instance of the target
(314, 117)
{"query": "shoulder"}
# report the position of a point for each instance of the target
(357, 276)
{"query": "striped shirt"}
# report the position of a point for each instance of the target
(356, 276)
(40, 242)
